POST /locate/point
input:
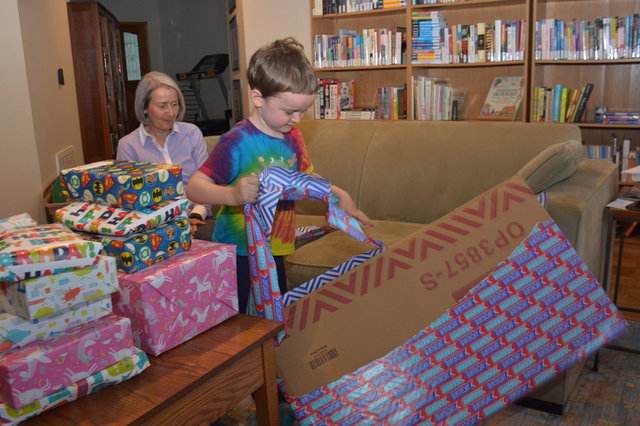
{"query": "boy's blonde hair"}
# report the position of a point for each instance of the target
(281, 67)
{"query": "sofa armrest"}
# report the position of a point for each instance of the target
(577, 204)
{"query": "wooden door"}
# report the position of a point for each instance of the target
(136, 50)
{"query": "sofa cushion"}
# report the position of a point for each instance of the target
(328, 251)
(555, 164)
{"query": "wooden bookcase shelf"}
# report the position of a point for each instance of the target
(476, 78)
(615, 80)
(99, 69)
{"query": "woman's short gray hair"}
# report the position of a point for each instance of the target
(150, 82)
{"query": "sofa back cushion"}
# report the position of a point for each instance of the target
(417, 171)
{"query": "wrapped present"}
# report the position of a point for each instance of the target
(138, 251)
(34, 251)
(116, 373)
(15, 221)
(535, 315)
(129, 184)
(173, 301)
(111, 220)
(16, 331)
(46, 366)
(40, 297)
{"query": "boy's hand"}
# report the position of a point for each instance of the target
(246, 190)
(349, 206)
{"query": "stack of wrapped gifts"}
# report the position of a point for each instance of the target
(59, 339)
(170, 287)
(134, 209)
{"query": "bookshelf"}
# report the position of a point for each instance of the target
(99, 69)
(615, 80)
(618, 76)
(475, 78)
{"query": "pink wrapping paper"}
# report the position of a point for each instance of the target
(175, 300)
(43, 367)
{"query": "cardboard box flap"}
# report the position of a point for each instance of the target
(370, 310)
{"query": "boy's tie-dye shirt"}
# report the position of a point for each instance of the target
(245, 150)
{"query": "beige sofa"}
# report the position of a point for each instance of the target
(406, 174)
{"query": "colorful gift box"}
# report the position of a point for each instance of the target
(39, 297)
(43, 367)
(138, 251)
(173, 301)
(34, 251)
(22, 219)
(16, 331)
(129, 184)
(117, 373)
(110, 220)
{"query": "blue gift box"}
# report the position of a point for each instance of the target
(129, 184)
(137, 251)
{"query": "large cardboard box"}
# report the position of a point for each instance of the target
(129, 184)
(179, 298)
(538, 312)
(379, 305)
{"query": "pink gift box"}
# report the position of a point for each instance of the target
(180, 297)
(43, 367)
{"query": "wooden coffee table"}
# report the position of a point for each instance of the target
(194, 383)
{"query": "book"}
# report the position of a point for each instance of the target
(457, 102)
(634, 172)
(584, 97)
(504, 98)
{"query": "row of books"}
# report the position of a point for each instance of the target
(337, 100)
(433, 41)
(328, 7)
(435, 99)
(392, 103)
(419, 2)
(618, 117)
(372, 47)
(334, 97)
(623, 156)
(610, 37)
(560, 104)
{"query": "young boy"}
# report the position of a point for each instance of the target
(282, 87)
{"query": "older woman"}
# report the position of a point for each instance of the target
(161, 137)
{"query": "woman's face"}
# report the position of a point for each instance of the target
(163, 109)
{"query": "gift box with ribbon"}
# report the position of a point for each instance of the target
(129, 184)
(173, 301)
